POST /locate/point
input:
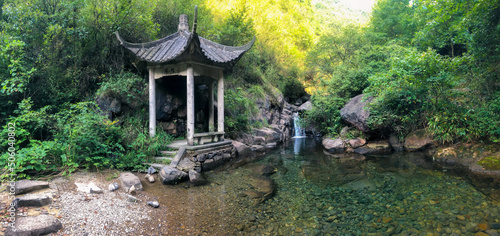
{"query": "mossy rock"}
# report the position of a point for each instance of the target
(490, 163)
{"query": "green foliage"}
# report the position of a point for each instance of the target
(93, 141)
(124, 86)
(325, 114)
(416, 86)
(392, 20)
(240, 106)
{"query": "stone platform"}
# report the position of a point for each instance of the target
(197, 158)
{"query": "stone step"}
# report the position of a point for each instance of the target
(34, 225)
(168, 153)
(33, 200)
(155, 165)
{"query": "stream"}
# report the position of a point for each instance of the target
(321, 194)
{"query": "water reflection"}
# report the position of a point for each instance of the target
(320, 194)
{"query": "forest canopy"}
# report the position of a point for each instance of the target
(429, 64)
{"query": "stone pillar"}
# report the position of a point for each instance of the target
(220, 103)
(190, 105)
(211, 122)
(152, 103)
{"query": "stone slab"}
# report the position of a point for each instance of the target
(33, 200)
(34, 225)
(26, 186)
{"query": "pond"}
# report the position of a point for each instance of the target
(321, 194)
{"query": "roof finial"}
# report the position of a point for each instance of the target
(195, 19)
(183, 22)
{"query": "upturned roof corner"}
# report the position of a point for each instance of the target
(174, 48)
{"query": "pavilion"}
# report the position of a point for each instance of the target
(184, 53)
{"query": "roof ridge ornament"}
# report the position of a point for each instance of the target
(183, 23)
(195, 22)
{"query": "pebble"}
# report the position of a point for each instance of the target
(150, 178)
(154, 204)
(132, 198)
(460, 217)
(132, 190)
(113, 186)
(471, 227)
(483, 226)
(492, 232)
(240, 227)
(386, 220)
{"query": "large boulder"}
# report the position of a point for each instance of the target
(109, 105)
(34, 225)
(26, 186)
(171, 175)
(242, 149)
(356, 112)
(307, 106)
(333, 145)
(270, 135)
(418, 140)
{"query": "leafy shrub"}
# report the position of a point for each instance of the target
(40, 158)
(325, 114)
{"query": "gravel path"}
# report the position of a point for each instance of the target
(101, 214)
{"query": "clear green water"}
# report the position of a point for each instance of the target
(318, 194)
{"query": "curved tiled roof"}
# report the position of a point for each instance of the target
(172, 46)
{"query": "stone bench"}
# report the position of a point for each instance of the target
(199, 137)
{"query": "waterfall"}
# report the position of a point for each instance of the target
(299, 131)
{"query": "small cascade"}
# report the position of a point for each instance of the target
(299, 131)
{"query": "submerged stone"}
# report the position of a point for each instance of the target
(171, 175)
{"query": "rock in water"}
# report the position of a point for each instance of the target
(26, 186)
(196, 178)
(113, 187)
(333, 145)
(34, 225)
(154, 204)
(418, 140)
(171, 175)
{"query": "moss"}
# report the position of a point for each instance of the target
(490, 163)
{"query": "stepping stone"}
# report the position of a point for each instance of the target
(128, 180)
(34, 225)
(26, 186)
(33, 200)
